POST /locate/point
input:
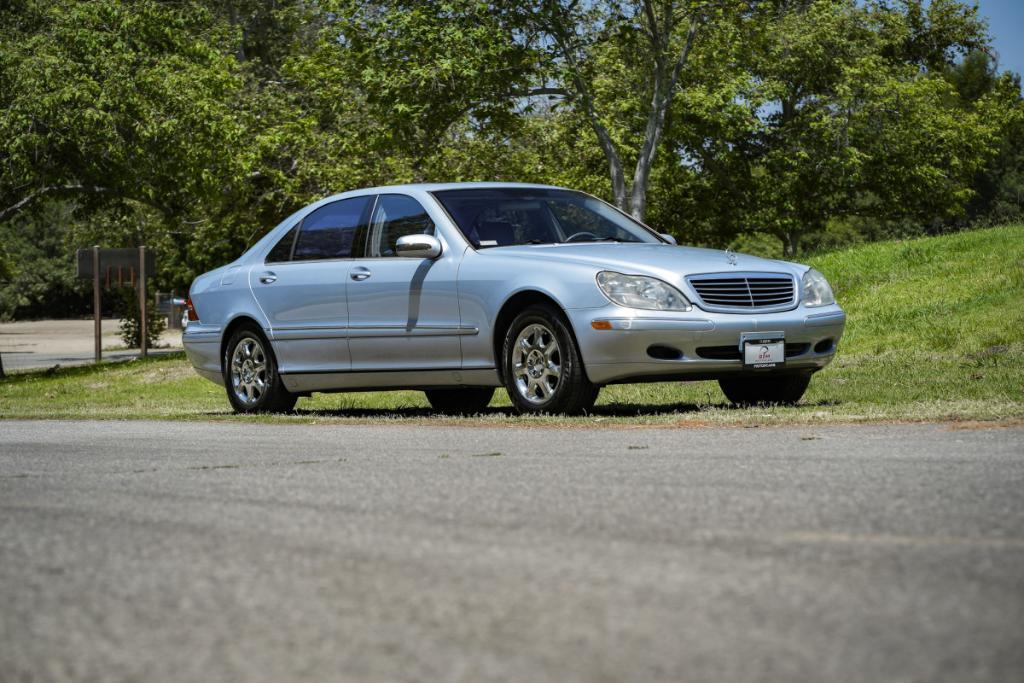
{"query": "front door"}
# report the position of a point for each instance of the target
(403, 312)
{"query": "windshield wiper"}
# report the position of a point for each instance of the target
(591, 241)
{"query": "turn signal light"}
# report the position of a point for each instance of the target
(601, 325)
(191, 310)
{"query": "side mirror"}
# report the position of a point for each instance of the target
(418, 246)
(668, 238)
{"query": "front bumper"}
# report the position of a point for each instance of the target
(623, 352)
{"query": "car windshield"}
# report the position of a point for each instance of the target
(506, 216)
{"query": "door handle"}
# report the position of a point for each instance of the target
(359, 274)
(268, 278)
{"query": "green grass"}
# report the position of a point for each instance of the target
(935, 332)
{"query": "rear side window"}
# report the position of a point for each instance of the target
(335, 230)
(282, 251)
(396, 216)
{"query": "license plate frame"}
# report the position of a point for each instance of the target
(763, 350)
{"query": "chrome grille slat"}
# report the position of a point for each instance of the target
(744, 291)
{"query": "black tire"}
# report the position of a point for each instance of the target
(570, 391)
(784, 390)
(263, 392)
(460, 401)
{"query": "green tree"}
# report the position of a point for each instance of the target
(427, 69)
(658, 37)
(112, 99)
(999, 186)
(40, 281)
(194, 126)
(433, 65)
(848, 117)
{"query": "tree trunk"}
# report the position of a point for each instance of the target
(661, 100)
(642, 173)
(618, 182)
(580, 90)
(790, 243)
(233, 20)
(665, 72)
(615, 170)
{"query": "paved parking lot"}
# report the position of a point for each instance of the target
(45, 343)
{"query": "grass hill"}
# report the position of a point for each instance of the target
(956, 293)
(935, 332)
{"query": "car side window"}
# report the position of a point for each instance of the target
(396, 215)
(282, 251)
(335, 230)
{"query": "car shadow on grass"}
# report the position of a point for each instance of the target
(611, 410)
(503, 412)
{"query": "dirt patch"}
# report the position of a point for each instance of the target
(970, 425)
(170, 373)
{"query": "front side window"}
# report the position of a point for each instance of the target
(510, 216)
(335, 230)
(396, 215)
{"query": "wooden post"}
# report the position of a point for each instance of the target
(97, 324)
(142, 301)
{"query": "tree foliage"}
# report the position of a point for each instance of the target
(852, 120)
(116, 101)
(194, 126)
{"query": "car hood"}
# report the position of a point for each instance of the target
(660, 260)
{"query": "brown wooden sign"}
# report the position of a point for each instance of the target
(113, 262)
(107, 267)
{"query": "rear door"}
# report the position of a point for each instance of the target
(301, 287)
(403, 312)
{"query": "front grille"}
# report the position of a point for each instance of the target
(744, 291)
(733, 352)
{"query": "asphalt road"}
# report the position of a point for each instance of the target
(228, 552)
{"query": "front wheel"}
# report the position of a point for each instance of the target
(542, 367)
(250, 375)
(460, 401)
(751, 391)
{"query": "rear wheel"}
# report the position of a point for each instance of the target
(751, 391)
(542, 367)
(460, 401)
(250, 375)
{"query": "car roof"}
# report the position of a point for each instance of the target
(437, 187)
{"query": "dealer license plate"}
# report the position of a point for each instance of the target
(763, 350)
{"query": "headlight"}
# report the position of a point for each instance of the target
(637, 291)
(816, 290)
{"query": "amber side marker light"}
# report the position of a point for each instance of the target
(601, 325)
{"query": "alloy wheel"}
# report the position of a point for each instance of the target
(249, 371)
(536, 364)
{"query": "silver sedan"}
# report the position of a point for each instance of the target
(456, 289)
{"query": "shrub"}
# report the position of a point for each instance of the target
(126, 305)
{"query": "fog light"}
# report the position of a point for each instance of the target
(660, 352)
